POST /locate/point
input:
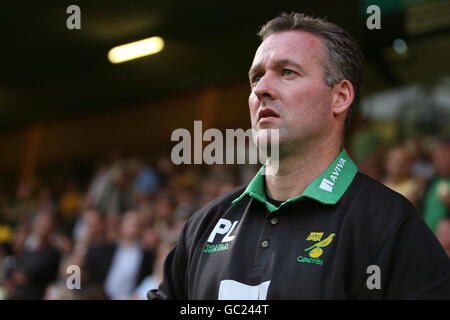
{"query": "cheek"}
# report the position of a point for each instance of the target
(316, 100)
(253, 106)
(310, 107)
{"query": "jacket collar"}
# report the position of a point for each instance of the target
(327, 188)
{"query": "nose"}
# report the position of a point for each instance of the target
(265, 88)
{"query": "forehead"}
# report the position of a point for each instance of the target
(298, 46)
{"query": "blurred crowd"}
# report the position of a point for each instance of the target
(116, 229)
(418, 169)
(118, 226)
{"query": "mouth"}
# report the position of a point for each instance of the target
(266, 114)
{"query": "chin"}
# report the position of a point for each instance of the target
(266, 139)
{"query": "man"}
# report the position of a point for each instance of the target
(120, 267)
(37, 266)
(398, 174)
(436, 205)
(316, 229)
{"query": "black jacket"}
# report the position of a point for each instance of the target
(308, 249)
(40, 268)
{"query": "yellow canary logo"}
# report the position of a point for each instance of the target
(315, 250)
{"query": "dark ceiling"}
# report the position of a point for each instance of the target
(49, 72)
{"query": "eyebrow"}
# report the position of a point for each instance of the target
(278, 64)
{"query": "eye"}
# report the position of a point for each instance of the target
(287, 72)
(255, 79)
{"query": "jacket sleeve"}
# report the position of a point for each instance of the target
(413, 263)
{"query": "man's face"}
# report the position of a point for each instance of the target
(288, 89)
(130, 226)
(398, 163)
(43, 225)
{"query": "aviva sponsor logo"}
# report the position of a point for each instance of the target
(326, 184)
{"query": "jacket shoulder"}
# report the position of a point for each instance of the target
(371, 194)
(374, 209)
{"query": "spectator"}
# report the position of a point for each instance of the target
(121, 266)
(17, 210)
(437, 195)
(372, 165)
(163, 212)
(6, 234)
(112, 225)
(115, 199)
(443, 234)
(10, 261)
(69, 206)
(185, 200)
(165, 171)
(145, 184)
(44, 202)
(90, 229)
(89, 252)
(149, 238)
(398, 176)
(422, 167)
(37, 266)
(97, 186)
(89, 232)
(112, 190)
(152, 281)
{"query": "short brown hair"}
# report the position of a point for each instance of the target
(344, 57)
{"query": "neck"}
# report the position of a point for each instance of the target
(297, 170)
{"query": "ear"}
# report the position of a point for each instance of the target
(342, 97)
